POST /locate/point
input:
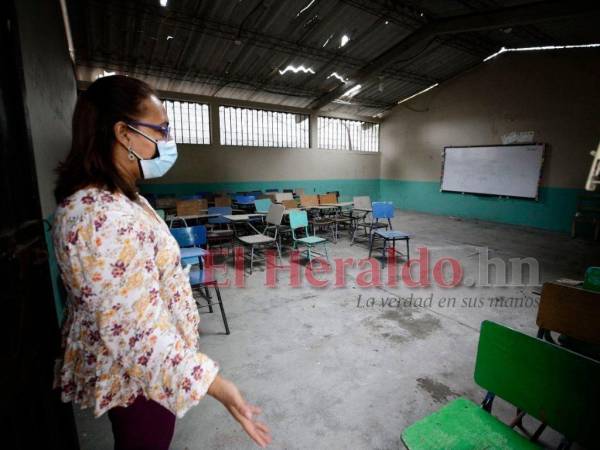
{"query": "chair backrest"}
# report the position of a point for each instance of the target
(245, 199)
(556, 386)
(309, 200)
(362, 202)
(191, 207)
(571, 311)
(383, 210)
(166, 202)
(222, 201)
(190, 236)
(281, 196)
(161, 213)
(191, 197)
(262, 205)
(298, 219)
(222, 211)
(275, 214)
(290, 204)
(591, 281)
(299, 191)
(337, 194)
(327, 198)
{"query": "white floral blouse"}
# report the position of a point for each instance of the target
(132, 323)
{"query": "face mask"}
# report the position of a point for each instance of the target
(163, 159)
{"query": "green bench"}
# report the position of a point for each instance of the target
(558, 387)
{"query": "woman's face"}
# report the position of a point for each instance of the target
(153, 113)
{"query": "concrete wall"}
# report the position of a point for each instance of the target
(554, 94)
(50, 89)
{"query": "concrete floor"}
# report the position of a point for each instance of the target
(331, 375)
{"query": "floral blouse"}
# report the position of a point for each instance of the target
(132, 323)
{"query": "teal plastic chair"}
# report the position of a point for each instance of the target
(299, 221)
(262, 205)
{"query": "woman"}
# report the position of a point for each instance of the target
(132, 325)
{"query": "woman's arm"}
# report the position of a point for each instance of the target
(229, 395)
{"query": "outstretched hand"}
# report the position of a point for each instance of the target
(229, 395)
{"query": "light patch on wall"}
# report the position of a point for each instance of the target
(338, 76)
(163, 3)
(518, 137)
(344, 40)
(105, 74)
(545, 47)
(418, 93)
(294, 69)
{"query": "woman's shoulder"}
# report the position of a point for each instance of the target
(90, 203)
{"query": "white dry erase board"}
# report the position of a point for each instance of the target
(505, 170)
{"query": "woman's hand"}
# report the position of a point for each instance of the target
(229, 395)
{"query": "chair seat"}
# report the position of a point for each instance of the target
(190, 252)
(256, 239)
(372, 224)
(462, 424)
(311, 240)
(392, 234)
(198, 277)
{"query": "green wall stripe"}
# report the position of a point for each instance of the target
(347, 188)
(553, 210)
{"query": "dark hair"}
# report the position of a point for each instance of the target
(107, 101)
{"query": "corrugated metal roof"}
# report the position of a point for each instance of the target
(236, 48)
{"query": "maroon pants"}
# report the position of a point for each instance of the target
(143, 425)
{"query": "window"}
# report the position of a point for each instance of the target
(189, 121)
(345, 134)
(261, 128)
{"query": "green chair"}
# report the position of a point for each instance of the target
(558, 387)
(299, 221)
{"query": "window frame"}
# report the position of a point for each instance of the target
(350, 148)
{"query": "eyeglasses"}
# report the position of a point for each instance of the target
(165, 131)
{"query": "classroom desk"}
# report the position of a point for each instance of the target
(243, 217)
(338, 204)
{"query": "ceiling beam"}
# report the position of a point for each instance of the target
(416, 42)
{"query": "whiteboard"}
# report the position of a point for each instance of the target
(507, 170)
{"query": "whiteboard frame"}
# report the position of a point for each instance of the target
(537, 192)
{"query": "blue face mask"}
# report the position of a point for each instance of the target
(163, 159)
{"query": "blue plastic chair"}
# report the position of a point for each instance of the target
(191, 239)
(244, 199)
(299, 221)
(385, 211)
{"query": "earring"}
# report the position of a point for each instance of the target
(131, 156)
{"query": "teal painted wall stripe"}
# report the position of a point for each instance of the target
(347, 188)
(553, 210)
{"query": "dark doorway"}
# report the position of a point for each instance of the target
(34, 416)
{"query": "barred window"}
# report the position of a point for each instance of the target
(342, 134)
(262, 128)
(189, 121)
